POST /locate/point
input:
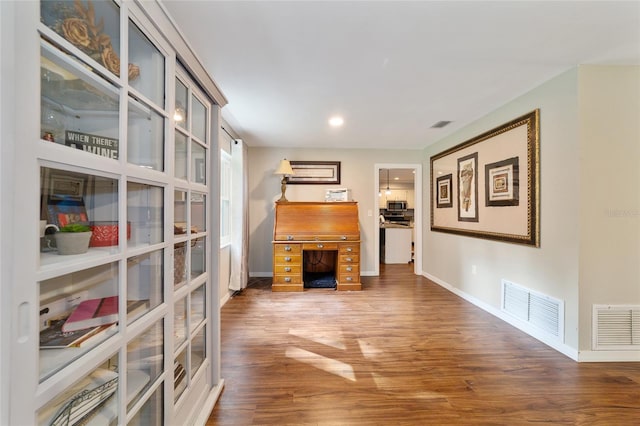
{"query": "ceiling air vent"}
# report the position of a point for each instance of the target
(440, 124)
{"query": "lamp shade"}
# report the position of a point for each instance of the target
(284, 168)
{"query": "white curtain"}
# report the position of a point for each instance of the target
(239, 276)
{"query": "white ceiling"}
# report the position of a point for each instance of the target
(391, 69)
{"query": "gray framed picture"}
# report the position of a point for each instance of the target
(443, 189)
(502, 183)
(315, 172)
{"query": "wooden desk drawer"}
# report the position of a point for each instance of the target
(294, 268)
(348, 278)
(349, 248)
(286, 249)
(287, 278)
(350, 268)
(320, 246)
(315, 236)
(349, 258)
(284, 259)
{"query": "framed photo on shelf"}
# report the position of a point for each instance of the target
(443, 188)
(315, 172)
(67, 185)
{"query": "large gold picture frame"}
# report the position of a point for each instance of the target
(495, 184)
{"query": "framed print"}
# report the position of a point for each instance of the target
(502, 183)
(468, 188)
(443, 198)
(314, 172)
(495, 180)
(66, 185)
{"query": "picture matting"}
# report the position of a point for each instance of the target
(495, 183)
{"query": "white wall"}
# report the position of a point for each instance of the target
(357, 174)
(609, 270)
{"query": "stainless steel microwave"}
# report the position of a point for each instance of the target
(396, 206)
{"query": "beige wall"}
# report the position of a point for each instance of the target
(590, 202)
(552, 268)
(358, 174)
(609, 270)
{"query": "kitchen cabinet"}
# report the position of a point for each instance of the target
(397, 244)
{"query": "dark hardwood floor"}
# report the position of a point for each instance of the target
(403, 351)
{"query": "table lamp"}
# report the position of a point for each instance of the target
(284, 169)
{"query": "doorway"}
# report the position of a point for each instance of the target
(401, 186)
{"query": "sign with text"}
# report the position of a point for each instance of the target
(106, 147)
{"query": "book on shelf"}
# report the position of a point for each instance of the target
(179, 374)
(95, 336)
(53, 337)
(92, 313)
(136, 308)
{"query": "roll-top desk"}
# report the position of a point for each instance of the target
(315, 226)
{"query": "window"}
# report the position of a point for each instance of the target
(225, 199)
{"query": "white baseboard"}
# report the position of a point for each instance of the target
(609, 356)
(225, 299)
(208, 404)
(526, 328)
(261, 274)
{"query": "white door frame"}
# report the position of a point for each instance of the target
(417, 213)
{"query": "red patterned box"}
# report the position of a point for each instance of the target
(106, 234)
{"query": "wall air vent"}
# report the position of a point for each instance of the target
(543, 312)
(440, 124)
(616, 327)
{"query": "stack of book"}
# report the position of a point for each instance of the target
(89, 323)
(179, 374)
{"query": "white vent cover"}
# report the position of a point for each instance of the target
(539, 310)
(616, 327)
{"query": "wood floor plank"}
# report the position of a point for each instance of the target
(404, 351)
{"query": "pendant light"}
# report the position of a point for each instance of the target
(388, 191)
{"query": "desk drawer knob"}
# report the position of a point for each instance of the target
(320, 245)
(349, 269)
(348, 259)
(287, 269)
(289, 237)
(344, 237)
(349, 249)
(287, 259)
(287, 248)
(287, 279)
(349, 278)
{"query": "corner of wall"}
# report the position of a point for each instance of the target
(609, 107)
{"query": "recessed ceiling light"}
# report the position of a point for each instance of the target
(336, 121)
